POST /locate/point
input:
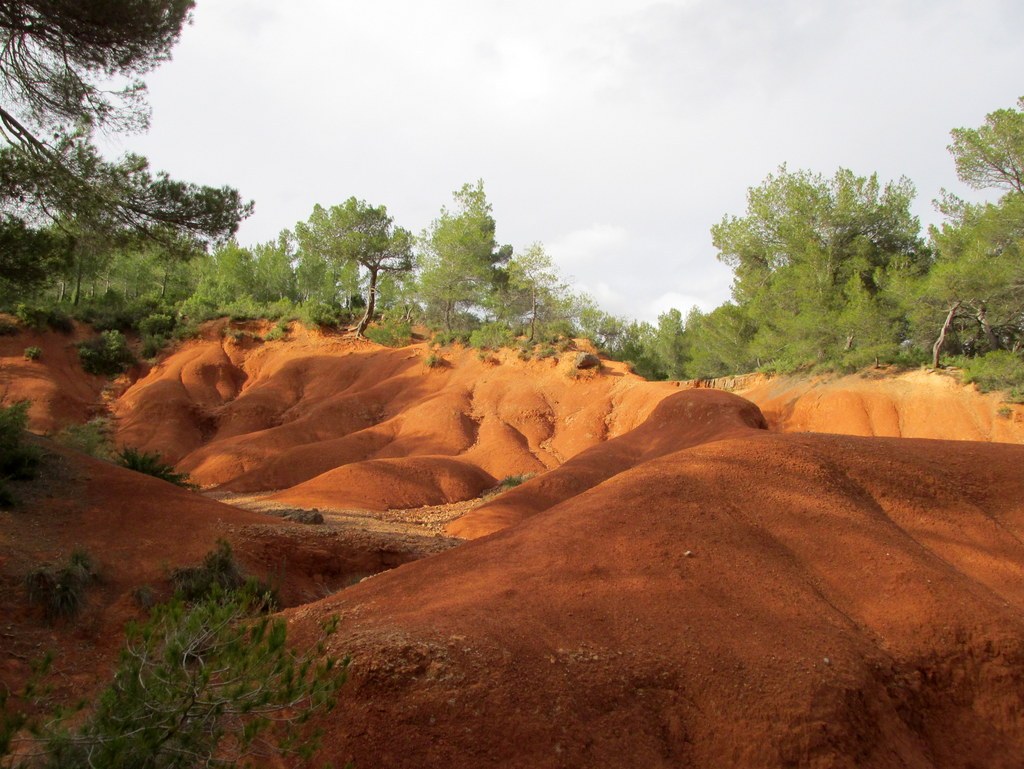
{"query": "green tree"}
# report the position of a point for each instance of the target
(972, 299)
(535, 293)
(325, 272)
(671, 346)
(59, 65)
(460, 262)
(807, 248)
(992, 156)
(357, 235)
(200, 685)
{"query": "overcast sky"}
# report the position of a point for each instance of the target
(616, 132)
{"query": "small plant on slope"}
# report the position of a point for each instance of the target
(150, 463)
(201, 685)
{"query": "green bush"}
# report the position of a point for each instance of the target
(997, 370)
(150, 463)
(448, 338)
(189, 330)
(492, 336)
(279, 331)
(92, 438)
(198, 309)
(244, 308)
(390, 333)
(60, 591)
(17, 459)
(206, 684)
(434, 361)
(106, 355)
(113, 313)
(33, 353)
(510, 482)
(219, 571)
(43, 317)
(157, 324)
(152, 345)
(319, 314)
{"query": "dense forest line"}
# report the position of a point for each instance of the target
(830, 273)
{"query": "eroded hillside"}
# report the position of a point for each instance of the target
(682, 583)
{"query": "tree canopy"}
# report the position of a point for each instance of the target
(68, 69)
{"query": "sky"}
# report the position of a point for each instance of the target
(615, 132)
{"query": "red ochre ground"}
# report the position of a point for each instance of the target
(821, 573)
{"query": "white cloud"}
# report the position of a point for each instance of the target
(615, 131)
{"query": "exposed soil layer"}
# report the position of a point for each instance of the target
(686, 580)
(912, 404)
(761, 600)
(137, 530)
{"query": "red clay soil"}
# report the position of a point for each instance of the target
(678, 587)
(678, 422)
(137, 530)
(757, 600)
(60, 391)
(912, 404)
(336, 420)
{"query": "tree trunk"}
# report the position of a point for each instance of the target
(937, 347)
(533, 319)
(78, 283)
(371, 303)
(982, 316)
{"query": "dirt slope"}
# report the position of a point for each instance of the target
(912, 404)
(137, 530)
(761, 600)
(335, 420)
(60, 391)
(679, 421)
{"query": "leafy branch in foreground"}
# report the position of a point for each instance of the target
(201, 685)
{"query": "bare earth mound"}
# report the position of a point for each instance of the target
(340, 421)
(677, 587)
(913, 404)
(760, 600)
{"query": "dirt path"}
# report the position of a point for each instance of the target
(418, 522)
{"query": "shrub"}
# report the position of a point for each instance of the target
(319, 314)
(390, 333)
(997, 370)
(434, 361)
(157, 324)
(33, 353)
(492, 336)
(510, 482)
(41, 317)
(218, 571)
(92, 438)
(279, 331)
(150, 463)
(201, 685)
(189, 330)
(448, 338)
(586, 360)
(245, 308)
(60, 591)
(107, 354)
(17, 460)
(547, 351)
(152, 345)
(7, 328)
